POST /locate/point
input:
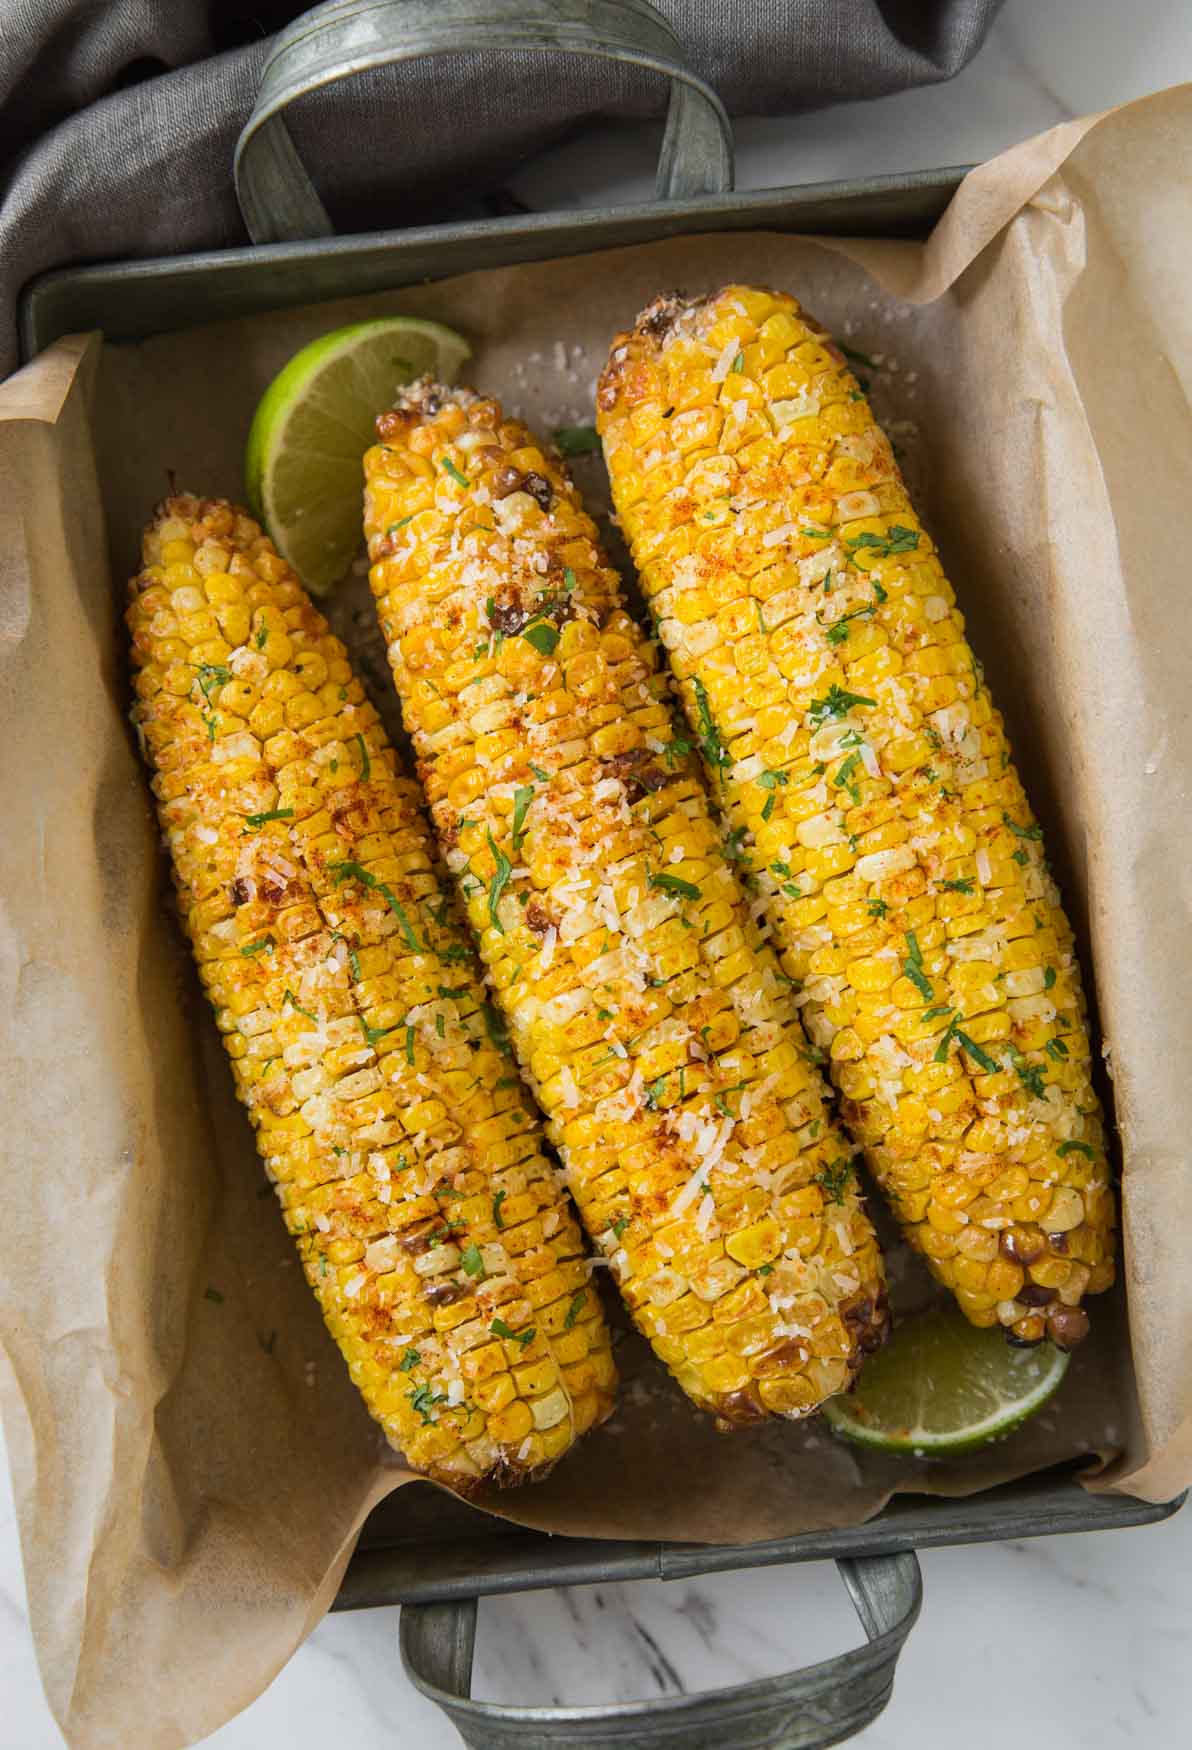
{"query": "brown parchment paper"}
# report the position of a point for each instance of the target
(191, 1464)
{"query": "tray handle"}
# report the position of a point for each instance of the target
(331, 42)
(803, 1710)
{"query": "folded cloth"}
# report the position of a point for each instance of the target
(118, 118)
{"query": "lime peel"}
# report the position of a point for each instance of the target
(943, 1386)
(313, 425)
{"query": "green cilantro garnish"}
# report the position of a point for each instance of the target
(411, 1035)
(542, 635)
(576, 1307)
(1048, 976)
(1029, 1074)
(713, 749)
(772, 781)
(399, 524)
(269, 814)
(1021, 832)
(351, 871)
(499, 882)
(963, 884)
(878, 908)
(953, 1031)
(365, 762)
(424, 1400)
(912, 966)
(449, 465)
(372, 1035)
(262, 637)
(471, 1260)
(211, 675)
(673, 884)
(542, 777)
(836, 702)
(1067, 1148)
(1022, 858)
(576, 440)
(291, 1001)
(1057, 1049)
(738, 363)
(500, 1197)
(834, 1180)
(675, 750)
(896, 539)
(654, 1093)
(495, 1028)
(409, 1361)
(500, 1329)
(264, 946)
(619, 1226)
(844, 778)
(522, 798)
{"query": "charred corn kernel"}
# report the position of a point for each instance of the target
(660, 1038)
(403, 1147)
(968, 1011)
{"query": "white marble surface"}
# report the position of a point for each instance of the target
(1079, 1641)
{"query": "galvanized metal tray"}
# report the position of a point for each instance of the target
(422, 1548)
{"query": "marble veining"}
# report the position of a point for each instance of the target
(1083, 1641)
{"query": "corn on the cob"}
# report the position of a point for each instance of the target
(814, 634)
(653, 1023)
(402, 1145)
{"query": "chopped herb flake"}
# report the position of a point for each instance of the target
(576, 440)
(264, 946)
(542, 635)
(449, 465)
(499, 882)
(500, 1329)
(673, 884)
(522, 798)
(896, 539)
(963, 884)
(1073, 1147)
(576, 1307)
(834, 1180)
(409, 1361)
(1021, 832)
(471, 1261)
(713, 749)
(844, 779)
(269, 814)
(979, 1057)
(835, 703)
(365, 762)
(289, 1000)
(424, 1400)
(912, 966)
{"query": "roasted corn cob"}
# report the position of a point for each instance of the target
(654, 1025)
(856, 752)
(443, 1251)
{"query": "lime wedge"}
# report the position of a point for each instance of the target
(313, 425)
(943, 1386)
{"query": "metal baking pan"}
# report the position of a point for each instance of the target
(422, 1548)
